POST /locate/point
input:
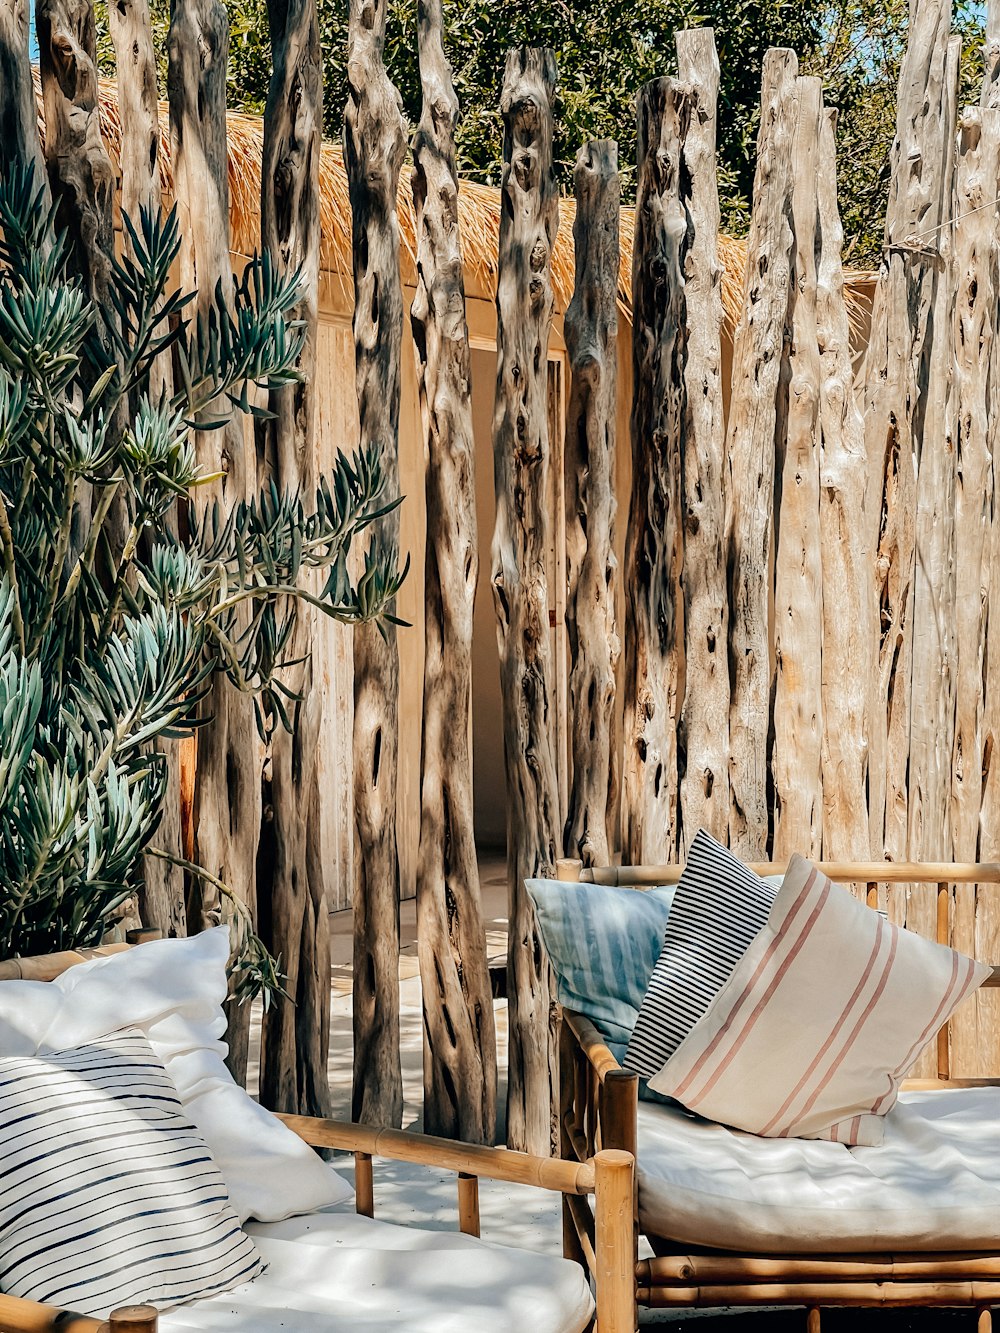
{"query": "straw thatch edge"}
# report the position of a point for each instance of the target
(479, 220)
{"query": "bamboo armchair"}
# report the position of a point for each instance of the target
(607, 1175)
(598, 1106)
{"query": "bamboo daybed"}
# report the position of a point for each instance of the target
(599, 1107)
(608, 1175)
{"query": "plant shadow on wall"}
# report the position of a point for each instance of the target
(116, 605)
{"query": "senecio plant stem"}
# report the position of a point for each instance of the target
(116, 605)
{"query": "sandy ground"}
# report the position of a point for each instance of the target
(511, 1214)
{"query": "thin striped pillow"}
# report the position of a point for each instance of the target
(821, 1020)
(717, 910)
(110, 1197)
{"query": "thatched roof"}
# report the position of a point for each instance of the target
(479, 219)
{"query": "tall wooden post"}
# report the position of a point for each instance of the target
(849, 611)
(973, 412)
(894, 377)
(704, 791)
(798, 582)
(374, 144)
(19, 142)
(653, 641)
(591, 326)
(162, 893)
(81, 176)
(932, 720)
(227, 802)
(460, 1062)
(296, 1037)
(757, 356)
(528, 223)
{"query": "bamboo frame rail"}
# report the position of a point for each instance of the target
(842, 872)
(21, 1316)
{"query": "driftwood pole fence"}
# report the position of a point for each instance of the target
(19, 143)
(796, 762)
(849, 610)
(227, 802)
(528, 224)
(296, 1037)
(374, 145)
(591, 325)
(757, 357)
(704, 787)
(460, 1069)
(653, 544)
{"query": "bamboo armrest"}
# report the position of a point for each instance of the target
(849, 872)
(21, 1316)
(592, 1044)
(518, 1168)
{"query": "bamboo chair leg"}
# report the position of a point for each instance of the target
(364, 1185)
(813, 1319)
(616, 1242)
(468, 1204)
(984, 1319)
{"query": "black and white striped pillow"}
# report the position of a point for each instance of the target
(108, 1195)
(718, 909)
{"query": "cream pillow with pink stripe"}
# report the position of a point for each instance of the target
(822, 1019)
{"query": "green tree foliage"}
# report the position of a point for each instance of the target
(111, 623)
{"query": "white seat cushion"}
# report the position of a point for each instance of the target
(932, 1184)
(335, 1272)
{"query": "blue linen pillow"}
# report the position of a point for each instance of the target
(603, 944)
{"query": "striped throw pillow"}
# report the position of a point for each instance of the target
(717, 911)
(110, 1197)
(821, 1020)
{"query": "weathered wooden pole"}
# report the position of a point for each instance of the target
(757, 356)
(704, 791)
(374, 145)
(162, 893)
(591, 326)
(19, 142)
(653, 641)
(849, 611)
(81, 176)
(295, 1037)
(932, 721)
(796, 763)
(975, 330)
(894, 379)
(528, 223)
(974, 416)
(227, 803)
(460, 1061)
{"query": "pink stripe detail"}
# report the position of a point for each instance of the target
(888, 1098)
(793, 948)
(824, 1049)
(869, 1010)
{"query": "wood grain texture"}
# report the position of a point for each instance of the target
(591, 328)
(893, 375)
(374, 145)
(796, 763)
(521, 537)
(757, 356)
(161, 898)
(653, 617)
(295, 1037)
(19, 141)
(932, 719)
(227, 801)
(81, 177)
(460, 1061)
(704, 788)
(975, 401)
(849, 610)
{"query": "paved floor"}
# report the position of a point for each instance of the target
(515, 1215)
